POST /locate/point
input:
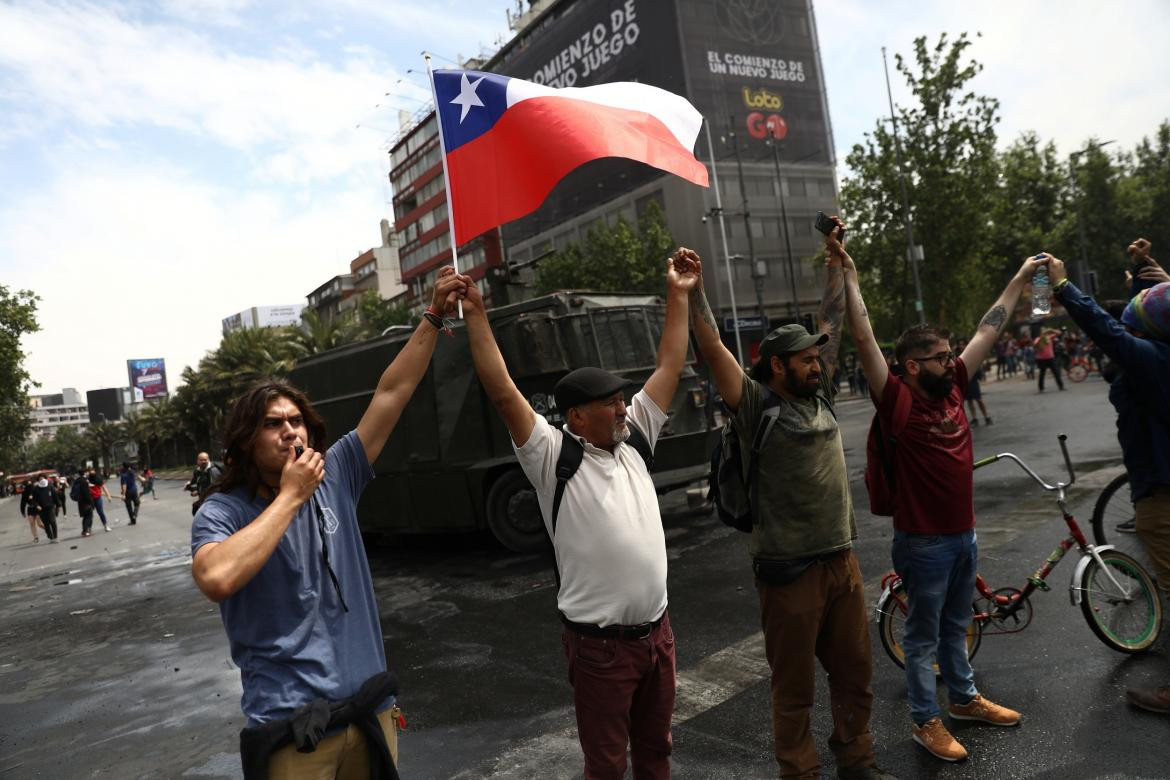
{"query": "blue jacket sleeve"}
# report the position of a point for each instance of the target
(1137, 357)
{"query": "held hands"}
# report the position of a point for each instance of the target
(1037, 261)
(835, 254)
(449, 288)
(684, 270)
(471, 296)
(301, 476)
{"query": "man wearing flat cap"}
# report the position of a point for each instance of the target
(607, 535)
(812, 601)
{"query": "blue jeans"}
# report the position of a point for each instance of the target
(97, 505)
(939, 575)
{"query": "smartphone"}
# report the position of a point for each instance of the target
(826, 225)
(299, 450)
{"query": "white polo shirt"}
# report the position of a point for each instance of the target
(609, 543)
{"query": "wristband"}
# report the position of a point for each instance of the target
(1060, 285)
(442, 325)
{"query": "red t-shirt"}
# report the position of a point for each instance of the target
(933, 462)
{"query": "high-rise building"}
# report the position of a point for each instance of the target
(753, 70)
(54, 411)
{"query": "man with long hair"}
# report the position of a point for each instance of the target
(276, 544)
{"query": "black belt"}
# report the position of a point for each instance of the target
(640, 631)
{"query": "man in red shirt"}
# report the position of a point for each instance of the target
(934, 548)
(1046, 357)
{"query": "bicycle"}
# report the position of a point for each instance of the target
(1115, 592)
(1115, 521)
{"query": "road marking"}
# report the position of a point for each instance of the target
(714, 680)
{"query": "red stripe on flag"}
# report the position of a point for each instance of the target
(508, 171)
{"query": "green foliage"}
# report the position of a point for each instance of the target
(376, 314)
(67, 451)
(948, 146)
(617, 258)
(18, 310)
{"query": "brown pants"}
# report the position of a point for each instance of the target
(1153, 528)
(820, 615)
(343, 756)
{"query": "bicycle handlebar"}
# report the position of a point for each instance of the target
(1062, 438)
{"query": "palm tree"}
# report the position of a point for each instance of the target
(103, 434)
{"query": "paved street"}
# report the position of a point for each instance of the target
(113, 665)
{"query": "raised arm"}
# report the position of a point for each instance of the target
(996, 318)
(873, 362)
(402, 376)
(682, 276)
(832, 311)
(725, 369)
(518, 416)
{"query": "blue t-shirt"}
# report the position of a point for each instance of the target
(130, 482)
(288, 633)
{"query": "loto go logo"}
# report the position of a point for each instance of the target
(760, 126)
(762, 98)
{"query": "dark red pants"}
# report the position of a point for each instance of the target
(623, 692)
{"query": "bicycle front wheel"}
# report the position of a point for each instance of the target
(1114, 521)
(892, 610)
(1126, 619)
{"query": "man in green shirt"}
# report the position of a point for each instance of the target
(812, 600)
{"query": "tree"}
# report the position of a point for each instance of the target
(617, 258)
(102, 436)
(377, 314)
(18, 311)
(316, 334)
(1029, 211)
(948, 142)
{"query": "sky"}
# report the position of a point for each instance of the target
(168, 163)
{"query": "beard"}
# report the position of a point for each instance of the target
(620, 432)
(801, 389)
(936, 386)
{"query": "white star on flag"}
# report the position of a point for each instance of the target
(467, 97)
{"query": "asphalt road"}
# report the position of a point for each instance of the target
(113, 665)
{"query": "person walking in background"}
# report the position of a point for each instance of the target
(28, 509)
(1028, 357)
(44, 498)
(207, 473)
(80, 492)
(129, 480)
(97, 489)
(61, 492)
(1045, 345)
(974, 391)
(148, 483)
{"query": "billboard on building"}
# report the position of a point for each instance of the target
(148, 375)
(278, 316)
(595, 42)
(752, 68)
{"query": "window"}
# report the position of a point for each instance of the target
(794, 186)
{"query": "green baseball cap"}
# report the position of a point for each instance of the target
(789, 339)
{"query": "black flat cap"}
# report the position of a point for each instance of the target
(583, 385)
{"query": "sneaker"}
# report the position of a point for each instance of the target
(974, 422)
(1128, 527)
(871, 772)
(933, 736)
(52, 541)
(985, 711)
(987, 421)
(106, 528)
(1151, 699)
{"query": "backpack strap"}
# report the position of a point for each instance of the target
(640, 443)
(902, 405)
(768, 418)
(567, 464)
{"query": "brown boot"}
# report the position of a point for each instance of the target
(1152, 699)
(933, 736)
(985, 711)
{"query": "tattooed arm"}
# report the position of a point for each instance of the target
(873, 362)
(725, 369)
(996, 319)
(832, 312)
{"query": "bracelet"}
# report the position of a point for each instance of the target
(442, 325)
(1060, 285)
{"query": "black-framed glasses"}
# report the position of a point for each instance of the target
(943, 358)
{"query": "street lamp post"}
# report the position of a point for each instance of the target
(911, 253)
(747, 224)
(1083, 265)
(784, 223)
(718, 211)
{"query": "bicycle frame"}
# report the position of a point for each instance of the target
(1076, 538)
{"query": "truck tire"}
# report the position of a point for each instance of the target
(513, 513)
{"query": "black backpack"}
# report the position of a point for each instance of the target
(729, 486)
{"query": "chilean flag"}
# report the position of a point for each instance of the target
(508, 142)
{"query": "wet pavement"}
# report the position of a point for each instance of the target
(112, 664)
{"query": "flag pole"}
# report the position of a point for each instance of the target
(446, 177)
(726, 254)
